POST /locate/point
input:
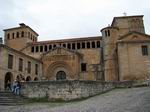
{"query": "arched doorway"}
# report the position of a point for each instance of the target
(61, 75)
(8, 79)
(35, 79)
(28, 78)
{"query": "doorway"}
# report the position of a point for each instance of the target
(8, 80)
(61, 75)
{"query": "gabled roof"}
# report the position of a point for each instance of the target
(134, 37)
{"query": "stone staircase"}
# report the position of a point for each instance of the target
(9, 99)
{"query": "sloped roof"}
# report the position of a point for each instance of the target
(21, 53)
(134, 37)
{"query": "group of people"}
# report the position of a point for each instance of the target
(15, 87)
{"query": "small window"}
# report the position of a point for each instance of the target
(37, 48)
(64, 45)
(98, 44)
(17, 34)
(20, 64)
(144, 50)
(36, 69)
(105, 33)
(32, 49)
(83, 45)
(45, 48)
(73, 46)
(93, 44)
(68, 46)
(108, 32)
(54, 46)
(41, 48)
(29, 34)
(10, 61)
(13, 35)
(50, 47)
(78, 45)
(83, 67)
(22, 34)
(29, 67)
(88, 45)
(8, 36)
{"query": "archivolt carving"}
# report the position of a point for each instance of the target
(59, 66)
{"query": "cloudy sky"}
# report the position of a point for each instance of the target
(58, 19)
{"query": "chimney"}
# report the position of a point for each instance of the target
(22, 24)
(1, 40)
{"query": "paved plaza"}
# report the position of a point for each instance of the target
(118, 100)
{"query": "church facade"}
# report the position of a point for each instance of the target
(121, 53)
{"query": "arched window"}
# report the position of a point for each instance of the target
(105, 33)
(78, 46)
(108, 32)
(54, 46)
(88, 45)
(64, 45)
(17, 34)
(73, 46)
(68, 46)
(8, 36)
(61, 75)
(41, 48)
(50, 47)
(32, 49)
(93, 44)
(22, 34)
(83, 45)
(37, 48)
(98, 44)
(13, 35)
(45, 48)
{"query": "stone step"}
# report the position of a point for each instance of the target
(8, 98)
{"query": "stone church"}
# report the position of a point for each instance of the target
(121, 53)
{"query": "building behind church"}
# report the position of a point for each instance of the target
(121, 53)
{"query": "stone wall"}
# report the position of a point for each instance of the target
(64, 90)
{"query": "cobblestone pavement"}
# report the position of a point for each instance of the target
(118, 100)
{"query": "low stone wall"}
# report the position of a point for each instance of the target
(64, 90)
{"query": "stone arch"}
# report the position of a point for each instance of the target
(28, 78)
(35, 79)
(55, 67)
(8, 79)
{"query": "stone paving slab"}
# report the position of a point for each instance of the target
(118, 100)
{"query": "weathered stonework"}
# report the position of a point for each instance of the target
(117, 55)
(65, 90)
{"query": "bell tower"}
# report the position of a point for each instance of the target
(18, 37)
(109, 39)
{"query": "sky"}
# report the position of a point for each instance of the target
(63, 19)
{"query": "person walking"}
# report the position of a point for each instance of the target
(18, 87)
